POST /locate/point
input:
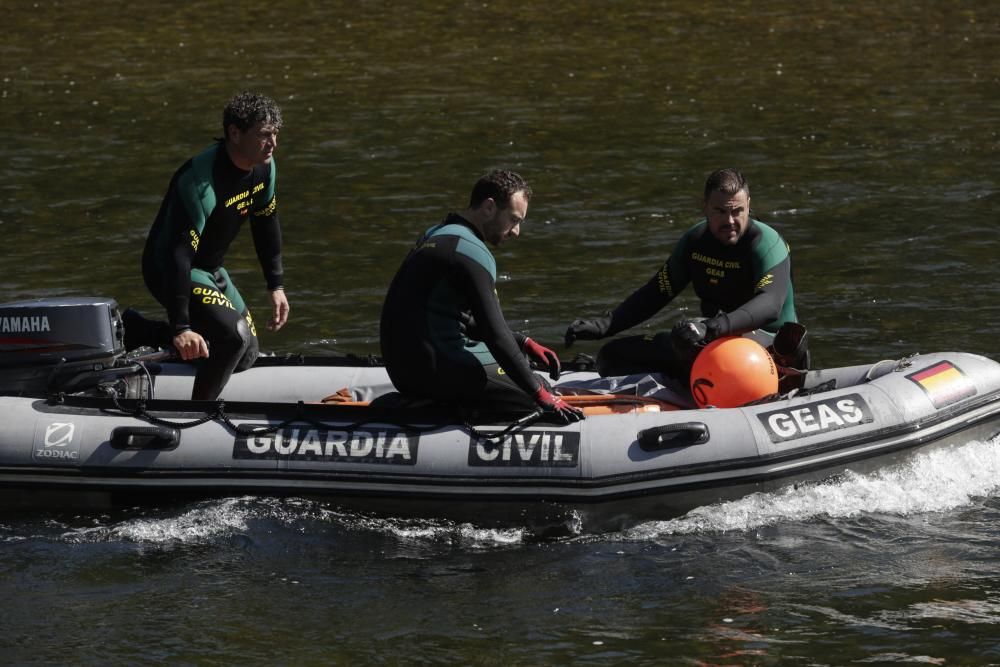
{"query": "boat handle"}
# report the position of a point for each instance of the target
(145, 437)
(673, 435)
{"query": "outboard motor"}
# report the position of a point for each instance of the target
(70, 345)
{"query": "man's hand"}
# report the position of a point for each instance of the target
(688, 334)
(716, 327)
(588, 329)
(190, 345)
(467, 325)
(279, 309)
(543, 356)
(555, 405)
(688, 338)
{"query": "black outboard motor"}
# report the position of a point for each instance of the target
(70, 345)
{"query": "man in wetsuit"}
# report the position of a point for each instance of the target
(741, 272)
(443, 334)
(209, 199)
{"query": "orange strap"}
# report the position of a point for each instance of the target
(591, 404)
(607, 404)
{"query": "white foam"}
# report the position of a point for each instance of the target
(203, 522)
(219, 518)
(464, 534)
(932, 482)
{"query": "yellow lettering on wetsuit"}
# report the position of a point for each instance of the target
(257, 188)
(249, 319)
(211, 297)
(235, 198)
(271, 208)
(705, 259)
(194, 239)
(713, 261)
(765, 281)
(663, 280)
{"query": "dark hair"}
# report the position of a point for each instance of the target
(727, 181)
(246, 109)
(501, 185)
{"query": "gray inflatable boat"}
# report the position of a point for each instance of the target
(83, 422)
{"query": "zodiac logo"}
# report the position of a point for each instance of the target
(59, 434)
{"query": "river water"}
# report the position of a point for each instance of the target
(869, 134)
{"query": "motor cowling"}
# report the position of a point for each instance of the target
(46, 343)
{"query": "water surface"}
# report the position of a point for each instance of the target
(869, 135)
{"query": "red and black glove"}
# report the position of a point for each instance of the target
(543, 355)
(557, 406)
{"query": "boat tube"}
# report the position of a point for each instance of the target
(85, 422)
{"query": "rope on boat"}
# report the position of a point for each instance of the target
(219, 414)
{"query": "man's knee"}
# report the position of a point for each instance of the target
(790, 346)
(636, 354)
(234, 343)
(248, 346)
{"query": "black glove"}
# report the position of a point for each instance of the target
(588, 329)
(688, 338)
(716, 327)
(467, 325)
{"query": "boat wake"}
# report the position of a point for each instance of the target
(213, 520)
(937, 481)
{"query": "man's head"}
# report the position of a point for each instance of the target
(727, 205)
(499, 204)
(251, 123)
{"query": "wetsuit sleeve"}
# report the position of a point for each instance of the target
(267, 243)
(179, 315)
(765, 306)
(267, 235)
(654, 295)
(503, 344)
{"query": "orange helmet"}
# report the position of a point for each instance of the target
(731, 372)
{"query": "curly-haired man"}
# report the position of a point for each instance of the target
(210, 197)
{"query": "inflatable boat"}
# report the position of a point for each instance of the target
(83, 422)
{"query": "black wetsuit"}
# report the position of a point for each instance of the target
(208, 200)
(748, 285)
(429, 343)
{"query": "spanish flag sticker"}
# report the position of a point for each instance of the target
(943, 383)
